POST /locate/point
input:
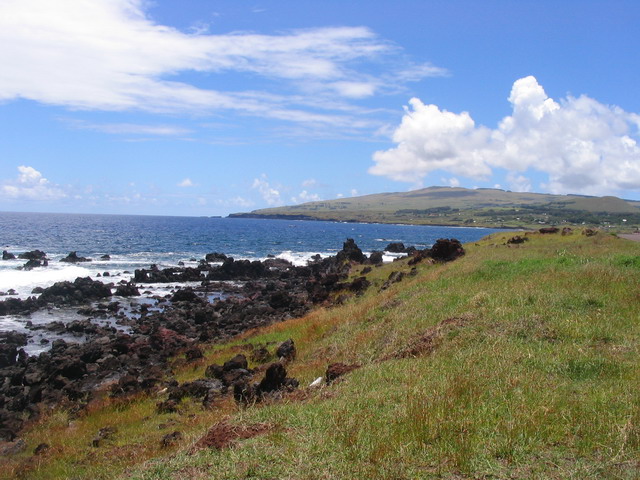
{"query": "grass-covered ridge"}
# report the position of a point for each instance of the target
(462, 206)
(515, 361)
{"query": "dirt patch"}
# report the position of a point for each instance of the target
(427, 342)
(224, 435)
(337, 370)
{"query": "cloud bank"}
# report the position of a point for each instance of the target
(30, 185)
(110, 55)
(579, 144)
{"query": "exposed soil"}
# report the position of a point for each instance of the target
(224, 435)
(428, 341)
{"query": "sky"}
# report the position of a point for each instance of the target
(209, 107)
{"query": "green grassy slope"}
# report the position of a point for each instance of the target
(515, 361)
(445, 205)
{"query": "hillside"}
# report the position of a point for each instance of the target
(461, 206)
(514, 361)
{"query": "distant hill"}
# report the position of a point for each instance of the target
(462, 206)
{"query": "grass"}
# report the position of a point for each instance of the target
(539, 380)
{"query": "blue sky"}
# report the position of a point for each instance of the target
(212, 107)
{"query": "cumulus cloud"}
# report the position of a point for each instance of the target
(186, 183)
(269, 194)
(110, 55)
(304, 197)
(581, 145)
(31, 185)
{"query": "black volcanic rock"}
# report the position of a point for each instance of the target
(286, 350)
(376, 258)
(74, 258)
(33, 255)
(446, 249)
(7, 256)
(395, 247)
(33, 263)
(127, 290)
(82, 290)
(351, 252)
(215, 257)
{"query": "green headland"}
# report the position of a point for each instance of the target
(484, 207)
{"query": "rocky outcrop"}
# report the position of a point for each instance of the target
(33, 263)
(33, 255)
(395, 247)
(74, 258)
(82, 290)
(517, 239)
(351, 252)
(7, 256)
(446, 249)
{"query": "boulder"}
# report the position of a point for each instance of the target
(275, 379)
(395, 247)
(517, 239)
(171, 439)
(239, 361)
(33, 255)
(394, 277)
(286, 350)
(215, 257)
(126, 290)
(351, 252)
(33, 263)
(7, 256)
(375, 258)
(185, 295)
(74, 258)
(359, 285)
(82, 290)
(446, 249)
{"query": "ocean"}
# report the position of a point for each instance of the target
(140, 241)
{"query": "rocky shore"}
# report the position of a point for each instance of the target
(134, 357)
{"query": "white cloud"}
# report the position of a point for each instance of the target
(580, 144)
(269, 194)
(518, 183)
(311, 182)
(186, 183)
(452, 182)
(304, 197)
(110, 55)
(242, 202)
(354, 192)
(31, 185)
(129, 128)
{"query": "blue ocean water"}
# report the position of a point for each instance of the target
(139, 241)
